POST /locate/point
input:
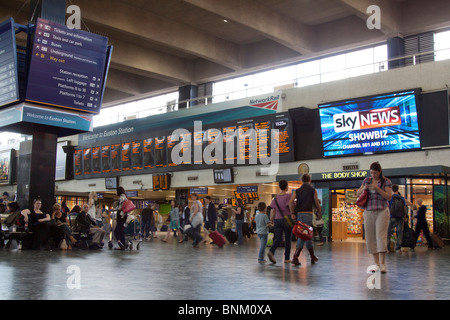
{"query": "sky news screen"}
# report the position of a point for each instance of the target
(375, 124)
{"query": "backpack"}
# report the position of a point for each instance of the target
(398, 207)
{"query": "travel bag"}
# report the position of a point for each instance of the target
(409, 237)
(217, 238)
(437, 241)
(230, 235)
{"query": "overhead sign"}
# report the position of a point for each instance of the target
(67, 67)
(32, 114)
(357, 174)
(9, 83)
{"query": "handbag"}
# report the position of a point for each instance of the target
(362, 199)
(287, 219)
(303, 231)
(317, 223)
(128, 206)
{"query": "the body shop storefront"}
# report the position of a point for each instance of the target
(345, 221)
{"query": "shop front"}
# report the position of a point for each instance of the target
(431, 184)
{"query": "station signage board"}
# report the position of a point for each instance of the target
(9, 84)
(67, 68)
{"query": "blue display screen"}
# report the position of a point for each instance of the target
(381, 123)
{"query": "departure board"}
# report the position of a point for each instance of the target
(126, 153)
(115, 157)
(87, 161)
(282, 139)
(260, 140)
(96, 166)
(160, 152)
(230, 142)
(246, 141)
(67, 67)
(9, 83)
(149, 158)
(137, 157)
(263, 139)
(106, 159)
(170, 144)
(77, 161)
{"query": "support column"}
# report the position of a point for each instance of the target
(36, 170)
(396, 49)
(53, 10)
(186, 93)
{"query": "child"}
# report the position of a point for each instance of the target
(262, 224)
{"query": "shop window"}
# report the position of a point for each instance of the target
(345, 210)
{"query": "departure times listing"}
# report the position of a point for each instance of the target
(67, 67)
(9, 88)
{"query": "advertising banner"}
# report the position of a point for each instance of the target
(374, 124)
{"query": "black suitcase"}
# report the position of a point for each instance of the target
(230, 235)
(189, 232)
(409, 237)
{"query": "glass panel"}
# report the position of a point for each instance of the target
(422, 181)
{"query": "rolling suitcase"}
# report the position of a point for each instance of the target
(409, 238)
(437, 241)
(217, 238)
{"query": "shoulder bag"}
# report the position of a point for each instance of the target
(128, 206)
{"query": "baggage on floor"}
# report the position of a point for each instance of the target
(217, 238)
(230, 235)
(189, 231)
(409, 238)
(437, 241)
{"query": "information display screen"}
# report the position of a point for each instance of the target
(87, 161)
(67, 67)
(241, 142)
(106, 159)
(383, 123)
(9, 84)
(115, 157)
(96, 166)
(136, 158)
(126, 154)
(77, 161)
(149, 158)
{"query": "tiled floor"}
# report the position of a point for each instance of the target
(173, 271)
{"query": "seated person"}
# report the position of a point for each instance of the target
(39, 223)
(62, 222)
(85, 224)
(14, 218)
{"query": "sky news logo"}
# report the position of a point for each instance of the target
(369, 119)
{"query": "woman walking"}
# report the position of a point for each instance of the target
(174, 222)
(306, 197)
(280, 209)
(376, 214)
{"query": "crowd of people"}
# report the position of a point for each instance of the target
(195, 220)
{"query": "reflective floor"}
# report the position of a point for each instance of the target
(174, 271)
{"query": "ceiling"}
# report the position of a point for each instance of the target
(160, 45)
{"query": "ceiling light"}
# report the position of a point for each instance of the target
(225, 20)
